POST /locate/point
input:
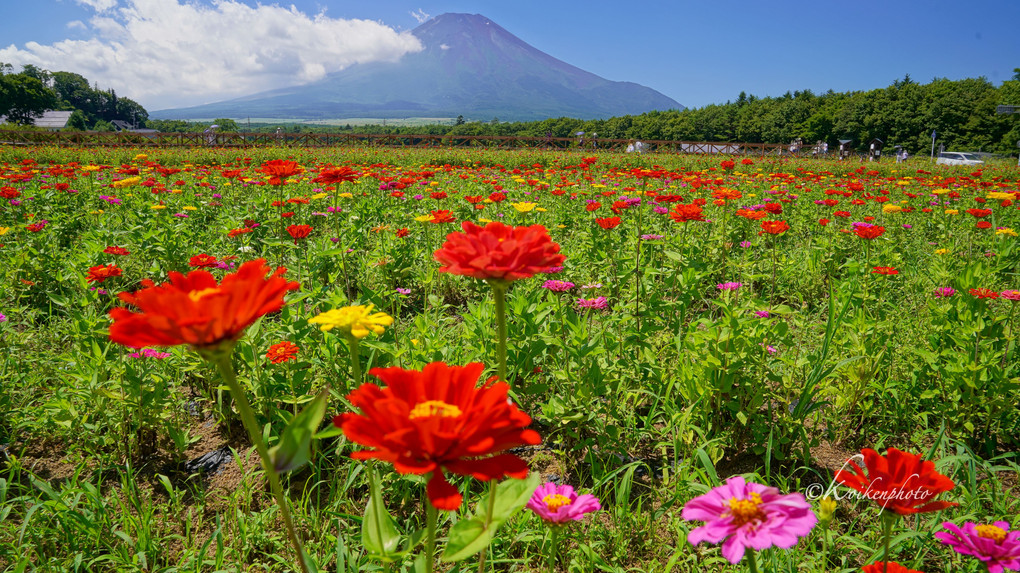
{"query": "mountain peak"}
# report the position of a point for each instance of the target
(469, 66)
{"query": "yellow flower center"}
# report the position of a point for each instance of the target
(554, 501)
(434, 408)
(991, 532)
(746, 510)
(197, 295)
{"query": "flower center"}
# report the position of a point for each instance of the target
(197, 295)
(434, 408)
(746, 510)
(991, 532)
(554, 501)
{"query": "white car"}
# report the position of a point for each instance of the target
(957, 158)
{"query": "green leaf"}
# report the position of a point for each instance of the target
(294, 449)
(379, 534)
(471, 535)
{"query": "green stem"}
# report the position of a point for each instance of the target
(555, 550)
(226, 368)
(499, 292)
(352, 343)
(888, 518)
(431, 518)
(488, 523)
(752, 562)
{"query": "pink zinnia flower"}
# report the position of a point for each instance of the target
(729, 286)
(748, 515)
(559, 504)
(1013, 295)
(597, 303)
(944, 292)
(558, 286)
(994, 545)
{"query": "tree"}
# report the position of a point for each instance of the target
(460, 120)
(77, 121)
(226, 125)
(23, 98)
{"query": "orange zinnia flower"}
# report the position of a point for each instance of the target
(101, 273)
(282, 352)
(193, 309)
(898, 481)
(682, 213)
(498, 252)
(438, 421)
(774, 227)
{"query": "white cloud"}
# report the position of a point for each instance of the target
(421, 16)
(174, 53)
(98, 5)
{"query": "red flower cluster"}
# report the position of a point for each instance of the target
(984, 293)
(498, 252)
(334, 176)
(202, 261)
(869, 233)
(608, 222)
(299, 231)
(884, 271)
(898, 481)
(682, 213)
(774, 227)
(282, 352)
(101, 273)
(279, 170)
(438, 421)
(114, 250)
(194, 309)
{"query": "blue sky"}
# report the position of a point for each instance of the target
(173, 53)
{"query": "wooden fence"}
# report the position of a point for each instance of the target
(587, 144)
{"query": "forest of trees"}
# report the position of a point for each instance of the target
(27, 94)
(962, 112)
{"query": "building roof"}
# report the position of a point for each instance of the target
(53, 119)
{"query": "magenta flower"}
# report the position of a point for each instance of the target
(596, 303)
(729, 286)
(748, 515)
(944, 292)
(559, 504)
(1013, 295)
(994, 545)
(558, 286)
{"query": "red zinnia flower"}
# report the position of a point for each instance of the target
(114, 250)
(438, 421)
(774, 227)
(983, 225)
(869, 233)
(282, 352)
(884, 271)
(608, 222)
(202, 261)
(898, 481)
(984, 293)
(299, 231)
(499, 252)
(334, 176)
(193, 309)
(823, 222)
(402, 232)
(235, 232)
(101, 273)
(727, 164)
(442, 216)
(980, 213)
(752, 215)
(593, 206)
(279, 170)
(682, 213)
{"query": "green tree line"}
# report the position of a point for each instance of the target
(27, 94)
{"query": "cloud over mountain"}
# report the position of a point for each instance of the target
(166, 53)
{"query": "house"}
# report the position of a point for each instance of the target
(119, 125)
(53, 120)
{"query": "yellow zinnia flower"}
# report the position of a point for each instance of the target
(952, 212)
(1003, 231)
(320, 196)
(189, 208)
(141, 157)
(158, 207)
(891, 208)
(999, 195)
(345, 195)
(3, 230)
(423, 218)
(523, 207)
(355, 321)
(125, 182)
(940, 191)
(941, 251)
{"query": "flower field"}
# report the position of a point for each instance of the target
(449, 359)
